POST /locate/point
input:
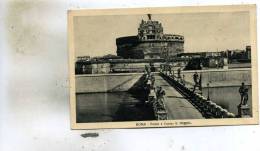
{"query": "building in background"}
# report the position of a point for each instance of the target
(151, 47)
(150, 43)
(239, 56)
(205, 60)
(83, 58)
(248, 52)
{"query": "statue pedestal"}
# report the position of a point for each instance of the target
(197, 90)
(243, 111)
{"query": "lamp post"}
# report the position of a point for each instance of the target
(183, 79)
(208, 98)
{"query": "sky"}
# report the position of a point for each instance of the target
(96, 35)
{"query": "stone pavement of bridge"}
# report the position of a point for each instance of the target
(176, 105)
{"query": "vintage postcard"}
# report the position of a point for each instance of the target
(163, 67)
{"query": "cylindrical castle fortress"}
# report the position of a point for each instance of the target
(150, 43)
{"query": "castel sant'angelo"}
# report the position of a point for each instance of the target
(150, 43)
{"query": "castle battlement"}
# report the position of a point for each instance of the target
(150, 42)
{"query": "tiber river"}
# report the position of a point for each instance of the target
(107, 107)
(228, 97)
(123, 106)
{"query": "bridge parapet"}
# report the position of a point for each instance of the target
(157, 102)
(208, 108)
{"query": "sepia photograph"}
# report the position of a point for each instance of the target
(163, 67)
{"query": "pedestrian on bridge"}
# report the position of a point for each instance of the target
(195, 79)
(183, 79)
(147, 70)
(179, 74)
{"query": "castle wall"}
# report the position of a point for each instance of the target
(119, 67)
(148, 49)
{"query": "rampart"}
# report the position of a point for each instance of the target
(88, 83)
(220, 77)
(106, 82)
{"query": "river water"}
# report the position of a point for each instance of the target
(107, 107)
(228, 97)
(124, 106)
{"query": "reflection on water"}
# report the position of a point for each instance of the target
(123, 106)
(227, 97)
(107, 107)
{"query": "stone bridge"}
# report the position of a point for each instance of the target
(181, 102)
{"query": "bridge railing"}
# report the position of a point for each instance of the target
(157, 104)
(208, 108)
